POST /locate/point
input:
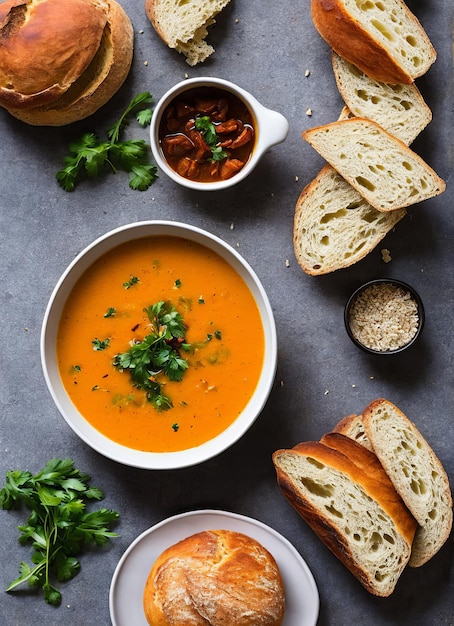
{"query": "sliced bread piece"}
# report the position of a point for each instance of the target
(378, 165)
(359, 518)
(368, 462)
(399, 109)
(184, 25)
(352, 426)
(384, 39)
(416, 472)
(334, 227)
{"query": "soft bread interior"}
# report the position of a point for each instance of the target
(381, 168)
(184, 25)
(417, 474)
(347, 519)
(399, 109)
(334, 226)
(394, 27)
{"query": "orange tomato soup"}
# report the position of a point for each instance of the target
(210, 296)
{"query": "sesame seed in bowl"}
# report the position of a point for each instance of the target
(384, 316)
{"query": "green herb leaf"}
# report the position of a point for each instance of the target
(91, 157)
(158, 356)
(59, 525)
(141, 99)
(132, 281)
(208, 130)
(142, 176)
(99, 344)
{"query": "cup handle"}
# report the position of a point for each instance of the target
(275, 127)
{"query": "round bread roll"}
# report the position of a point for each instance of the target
(217, 578)
(61, 60)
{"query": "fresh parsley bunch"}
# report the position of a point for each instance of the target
(59, 525)
(92, 157)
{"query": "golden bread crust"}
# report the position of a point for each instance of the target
(215, 577)
(377, 569)
(44, 47)
(368, 462)
(88, 85)
(358, 45)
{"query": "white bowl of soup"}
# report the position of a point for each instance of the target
(159, 345)
(208, 134)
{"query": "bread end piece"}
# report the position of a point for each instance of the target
(390, 46)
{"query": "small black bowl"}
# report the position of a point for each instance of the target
(374, 286)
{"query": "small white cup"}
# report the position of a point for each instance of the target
(271, 128)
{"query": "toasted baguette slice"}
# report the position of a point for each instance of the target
(384, 40)
(184, 25)
(416, 472)
(380, 167)
(334, 227)
(360, 519)
(399, 109)
(352, 426)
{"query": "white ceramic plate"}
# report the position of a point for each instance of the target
(128, 582)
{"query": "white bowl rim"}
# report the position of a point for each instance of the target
(79, 425)
(262, 115)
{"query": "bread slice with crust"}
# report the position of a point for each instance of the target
(352, 426)
(184, 25)
(334, 227)
(399, 109)
(386, 172)
(359, 517)
(384, 39)
(416, 472)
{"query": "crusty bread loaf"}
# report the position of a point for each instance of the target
(416, 472)
(399, 109)
(334, 227)
(360, 518)
(215, 577)
(386, 172)
(352, 426)
(384, 40)
(61, 60)
(184, 25)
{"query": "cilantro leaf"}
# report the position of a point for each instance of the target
(91, 157)
(208, 130)
(142, 176)
(115, 131)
